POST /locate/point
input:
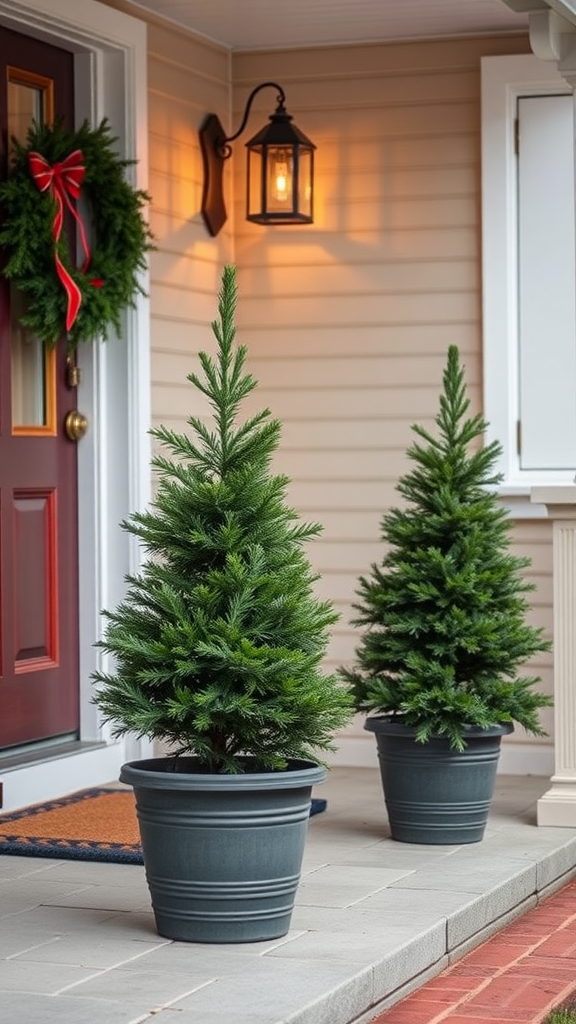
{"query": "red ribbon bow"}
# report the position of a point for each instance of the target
(63, 181)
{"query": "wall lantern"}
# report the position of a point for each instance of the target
(280, 179)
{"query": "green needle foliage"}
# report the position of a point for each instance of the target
(446, 609)
(219, 641)
(562, 1015)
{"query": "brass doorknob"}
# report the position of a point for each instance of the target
(75, 425)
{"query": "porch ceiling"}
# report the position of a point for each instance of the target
(269, 24)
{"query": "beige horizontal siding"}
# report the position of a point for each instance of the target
(347, 321)
(395, 338)
(187, 78)
(343, 404)
(296, 282)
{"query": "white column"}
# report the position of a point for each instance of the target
(553, 37)
(558, 805)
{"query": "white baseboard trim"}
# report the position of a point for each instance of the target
(526, 759)
(52, 779)
(515, 758)
(354, 752)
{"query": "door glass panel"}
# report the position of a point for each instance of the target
(32, 377)
(29, 376)
(26, 103)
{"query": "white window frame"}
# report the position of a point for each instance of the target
(504, 80)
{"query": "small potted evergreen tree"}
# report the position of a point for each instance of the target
(446, 633)
(217, 652)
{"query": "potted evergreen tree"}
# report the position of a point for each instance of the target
(446, 632)
(217, 651)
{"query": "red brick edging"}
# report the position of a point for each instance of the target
(519, 975)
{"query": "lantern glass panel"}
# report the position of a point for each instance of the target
(305, 183)
(255, 197)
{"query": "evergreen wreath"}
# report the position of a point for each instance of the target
(83, 302)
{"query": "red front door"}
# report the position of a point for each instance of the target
(39, 696)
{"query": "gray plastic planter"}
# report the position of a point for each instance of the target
(222, 853)
(433, 794)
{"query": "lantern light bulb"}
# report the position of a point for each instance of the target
(280, 179)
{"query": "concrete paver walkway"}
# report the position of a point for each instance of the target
(374, 920)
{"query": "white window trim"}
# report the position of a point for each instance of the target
(504, 80)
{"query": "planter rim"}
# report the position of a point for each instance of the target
(154, 773)
(390, 725)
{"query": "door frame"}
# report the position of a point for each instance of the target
(114, 457)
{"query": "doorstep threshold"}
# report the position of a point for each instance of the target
(24, 758)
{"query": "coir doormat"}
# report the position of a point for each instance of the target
(93, 824)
